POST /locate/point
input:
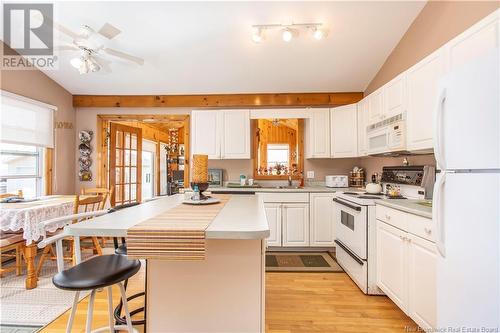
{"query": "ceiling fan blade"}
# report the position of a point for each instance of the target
(109, 31)
(125, 56)
(66, 47)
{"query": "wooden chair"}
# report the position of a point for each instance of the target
(99, 191)
(19, 193)
(83, 204)
(12, 242)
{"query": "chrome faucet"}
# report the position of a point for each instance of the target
(290, 183)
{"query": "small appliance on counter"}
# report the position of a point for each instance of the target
(336, 181)
(373, 187)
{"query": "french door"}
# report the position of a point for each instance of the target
(125, 164)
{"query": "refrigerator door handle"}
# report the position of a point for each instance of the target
(437, 215)
(438, 118)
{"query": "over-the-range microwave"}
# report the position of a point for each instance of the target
(387, 136)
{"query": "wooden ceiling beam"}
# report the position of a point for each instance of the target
(219, 101)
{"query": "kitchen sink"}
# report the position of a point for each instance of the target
(425, 203)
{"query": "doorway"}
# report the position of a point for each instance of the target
(148, 170)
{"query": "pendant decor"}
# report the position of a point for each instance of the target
(84, 161)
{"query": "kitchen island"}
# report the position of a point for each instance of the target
(224, 292)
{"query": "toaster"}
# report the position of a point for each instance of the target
(336, 181)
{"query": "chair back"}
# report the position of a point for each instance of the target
(98, 191)
(86, 203)
(8, 195)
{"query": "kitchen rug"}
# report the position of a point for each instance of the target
(301, 262)
(23, 308)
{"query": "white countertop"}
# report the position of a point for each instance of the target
(243, 217)
(407, 205)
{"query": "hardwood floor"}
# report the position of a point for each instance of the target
(295, 302)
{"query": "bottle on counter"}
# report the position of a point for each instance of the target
(196, 193)
(243, 180)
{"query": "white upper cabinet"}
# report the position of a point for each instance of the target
(376, 106)
(422, 82)
(395, 96)
(344, 124)
(236, 138)
(206, 133)
(474, 42)
(318, 133)
(221, 134)
(362, 123)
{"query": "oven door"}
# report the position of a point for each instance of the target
(351, 226)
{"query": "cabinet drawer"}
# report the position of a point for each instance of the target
(284, 197)
(394, 217)
(420, 226)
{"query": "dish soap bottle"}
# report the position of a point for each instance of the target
(196, 193)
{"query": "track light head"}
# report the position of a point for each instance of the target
(258, 34)
(287, 34)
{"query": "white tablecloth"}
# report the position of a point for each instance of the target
(28, 215)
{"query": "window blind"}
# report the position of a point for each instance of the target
(25, 121)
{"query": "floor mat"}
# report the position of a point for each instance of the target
(301, 262)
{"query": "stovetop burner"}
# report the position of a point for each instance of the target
(352, 193)
(373, 193)
(368, 197)
(398, 197)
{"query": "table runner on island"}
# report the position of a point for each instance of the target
(177, 234)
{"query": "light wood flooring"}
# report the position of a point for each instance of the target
(295, 302)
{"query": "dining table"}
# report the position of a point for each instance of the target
(27, 216)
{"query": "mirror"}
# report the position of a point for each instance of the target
(278, 148)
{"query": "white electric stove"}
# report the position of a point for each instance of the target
(355, 229)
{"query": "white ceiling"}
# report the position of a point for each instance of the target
(206, 47)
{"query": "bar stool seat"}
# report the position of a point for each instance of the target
(98, 272)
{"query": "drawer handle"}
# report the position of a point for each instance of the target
(387, 216)
(428, 231)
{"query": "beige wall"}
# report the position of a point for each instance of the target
(38, 86)
(437, 23)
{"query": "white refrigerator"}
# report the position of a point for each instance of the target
(466, 201)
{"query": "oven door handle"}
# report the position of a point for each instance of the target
(347, 204)
(349, 252)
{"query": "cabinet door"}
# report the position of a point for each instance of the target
(236, 138)
(422, 81)
(422, 281)
(344, 125)
(206, 133)
(273, 214)
(318, 133)
(296, 224)
(473, 43)
(376, 105)
(395, 96)
(322, 219)
(392, 264)
(362, 123)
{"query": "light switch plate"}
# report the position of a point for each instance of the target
(310, 174)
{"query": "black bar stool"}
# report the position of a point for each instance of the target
(96, 273)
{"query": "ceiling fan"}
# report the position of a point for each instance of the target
(91, 47)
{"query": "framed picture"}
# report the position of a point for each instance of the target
(215, 177)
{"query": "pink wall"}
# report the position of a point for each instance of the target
(36, 85)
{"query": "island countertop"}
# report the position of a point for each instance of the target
(243, 217)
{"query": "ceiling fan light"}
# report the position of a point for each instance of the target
(318, 34)
(257, 35)
(287, 35)
(76, 62)
(84, 67)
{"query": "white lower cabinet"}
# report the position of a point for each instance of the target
(422, 281)
(322, 219)
(273, 213)
(296, 224)
(406, 270)
(392, 264)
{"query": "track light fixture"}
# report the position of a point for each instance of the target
(288, 31)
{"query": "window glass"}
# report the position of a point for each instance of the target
(277, 154)
(21, 169)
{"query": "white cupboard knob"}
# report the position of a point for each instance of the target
(387, 216)
(428, 230)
